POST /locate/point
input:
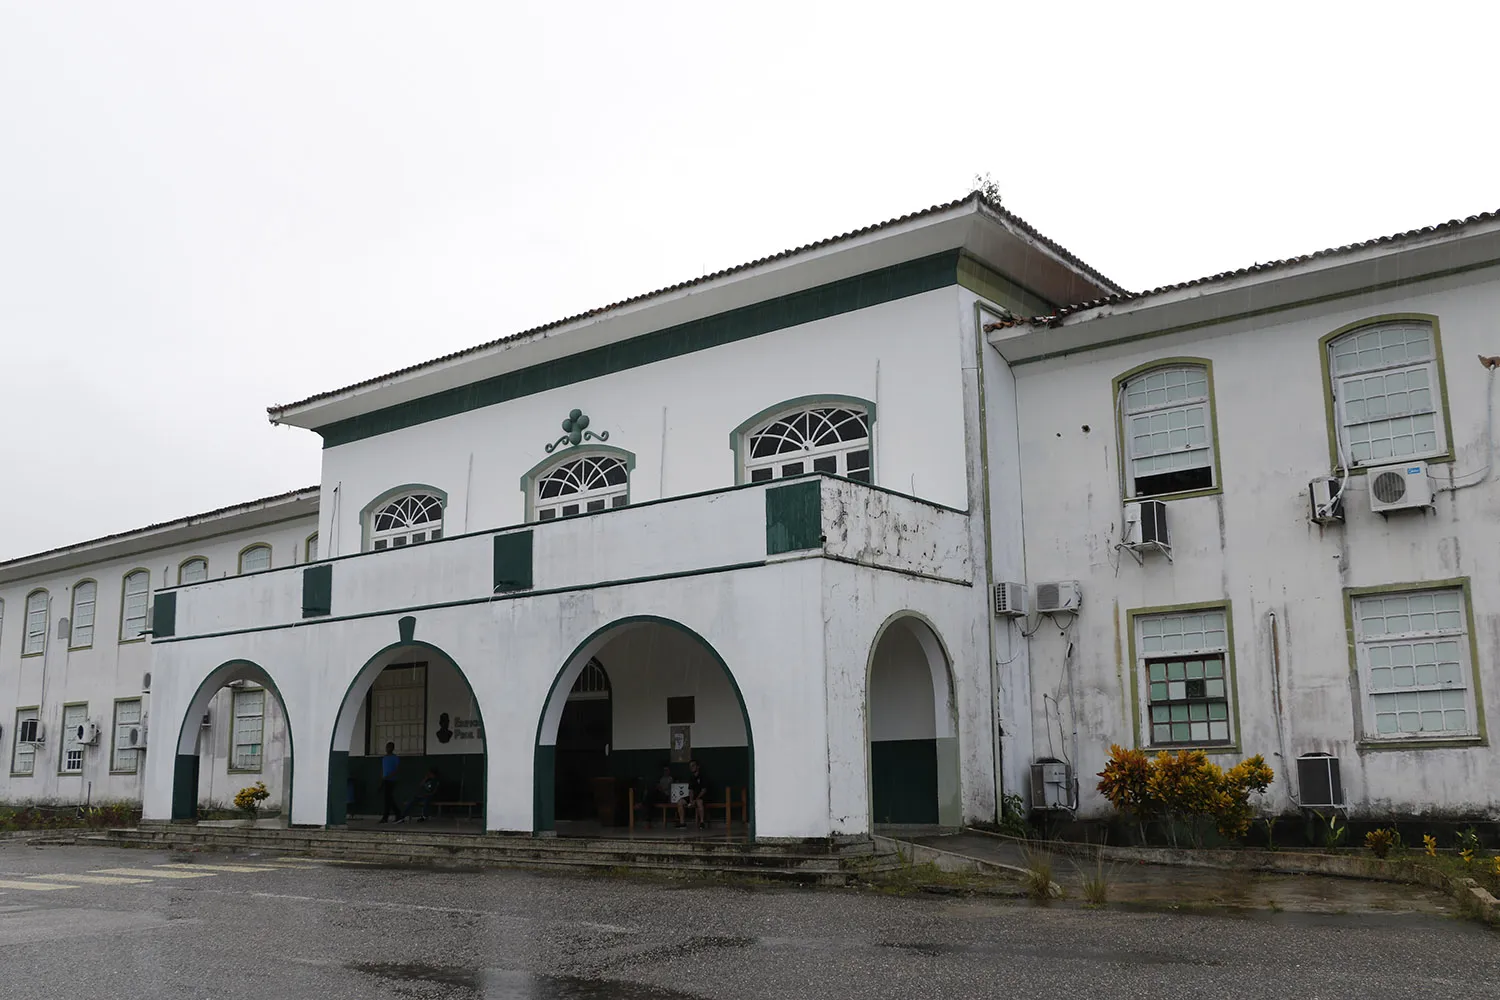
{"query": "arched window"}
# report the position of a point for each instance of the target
(1167, 430)
(34, 642)
(192, 571)
(588, 483)
(134, 598)
(81, 634)
(255, 558)
(406, 520)
(833, 438)
(1386, 390)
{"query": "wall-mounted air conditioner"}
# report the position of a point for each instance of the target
(1400, 487)
(87, 734)
(1318, 780)
(1012, 600)
(146, 681)
(1146, 525)
(1325, 501)
(133, 737)
(1062, 596)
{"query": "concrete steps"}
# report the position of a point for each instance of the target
(820, 862)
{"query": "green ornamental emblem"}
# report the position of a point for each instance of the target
(575, 431)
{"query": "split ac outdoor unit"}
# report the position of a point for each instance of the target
(1146, 525)
(133, 737)
(1054, 597)
(1318, 779)
(1400, 487)
(1325, 501)
(87, 733)
(1011, 600)
(146, 681)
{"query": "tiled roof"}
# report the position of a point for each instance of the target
(1273, 265)
(993, 206)
(179, 522)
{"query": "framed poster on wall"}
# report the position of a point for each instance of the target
(681, 743)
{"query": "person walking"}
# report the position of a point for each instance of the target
(388, 765)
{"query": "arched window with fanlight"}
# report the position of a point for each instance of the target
(578, 483)
(825, 434)
(409, 516)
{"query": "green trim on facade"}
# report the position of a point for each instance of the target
(317, 591)
(904, 781)
(561, 457)
(739, 434)
(1254, 313)
(1134, 669)
(983, 280)
(1117, 391)
(794, 518)
(846, 295)
(185, 788)
(514, 562)
(164, 616)
(544, 762)
(1460, 583)
(338, 788)
(1330, 412)
(367, 511)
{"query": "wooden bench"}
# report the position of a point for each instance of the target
(727, 807)
(467, 806)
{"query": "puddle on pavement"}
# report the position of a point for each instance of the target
(498, 984)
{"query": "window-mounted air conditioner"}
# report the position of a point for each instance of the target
(1146, 525)
(1325, 500)
(1318, 779)
(87, 734)
(1011, 600)
(1054, 597)
(1400, 487)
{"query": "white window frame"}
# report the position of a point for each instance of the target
(125, 759)
(22, 748)
(257, 547)
(245, 705)
(404, 529)
(1386, 361)
(195, 561)
(70, 760)
(85, 612)
(1164, 411)
(134, 605)
(398, 709)
(310, 548)
(1379, 659)
(582, 480)
(832, 457)
(34, 625)
(1185, 635)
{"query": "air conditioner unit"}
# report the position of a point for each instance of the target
(1051, 785)
(1011, 600)
(1325, 501)
(87, 733)
(146, 681)
(133, 737)
(1146, 525)
(1400, 487)
(1318, 779)
(208, 719)
(1054, 597)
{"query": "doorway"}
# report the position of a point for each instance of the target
(584, 735)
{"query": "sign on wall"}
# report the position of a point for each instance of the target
(681, 742)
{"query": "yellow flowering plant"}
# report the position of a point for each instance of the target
(249, 799)
(1429, 844)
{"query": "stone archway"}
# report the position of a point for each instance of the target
(186, 767)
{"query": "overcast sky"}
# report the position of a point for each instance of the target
(209, 208)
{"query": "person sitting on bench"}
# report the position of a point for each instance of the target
(426, 792)
(697, 794)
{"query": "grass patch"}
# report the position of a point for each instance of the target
(1038, 882)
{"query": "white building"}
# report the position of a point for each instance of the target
(761, 517)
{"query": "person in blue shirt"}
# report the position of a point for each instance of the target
(388, 765)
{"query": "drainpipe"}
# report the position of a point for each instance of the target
(989, 565)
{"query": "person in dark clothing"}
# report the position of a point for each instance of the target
(697, 796)
(426, 792)
(388, 765)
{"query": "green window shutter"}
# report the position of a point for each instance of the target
(513, 561)
(317, 591)
(794, 517)
(164, 615)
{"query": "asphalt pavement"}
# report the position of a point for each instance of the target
(94, 922)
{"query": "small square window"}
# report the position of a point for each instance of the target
(680, 711)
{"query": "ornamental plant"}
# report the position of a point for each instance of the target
(1429, 844)
(1381, 841)
(1183, 789)
(249, 799)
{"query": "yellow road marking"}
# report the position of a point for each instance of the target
(182, 866)
(150, 873)
(92, 879)
(34, 886)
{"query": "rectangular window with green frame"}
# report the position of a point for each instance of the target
(1185, 681)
